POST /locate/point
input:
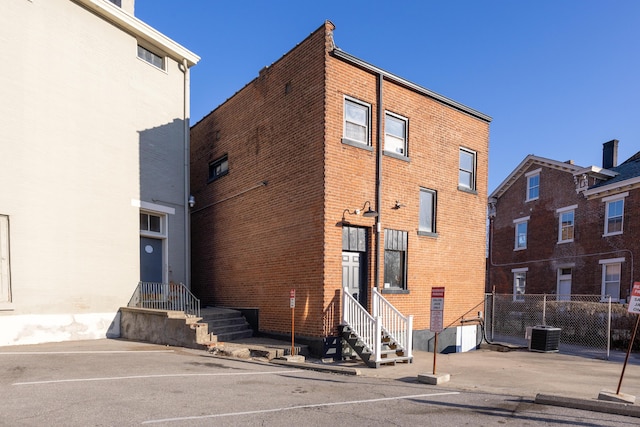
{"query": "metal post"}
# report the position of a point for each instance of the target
(544, 310)
(609, 329)
(626, 359)
(435, 351)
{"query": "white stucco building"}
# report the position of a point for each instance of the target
(94, 154)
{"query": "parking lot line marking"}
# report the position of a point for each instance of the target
(22, 353)
(292, 408)
(133, 377)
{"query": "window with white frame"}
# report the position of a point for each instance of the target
(467, 170)
(357, 118)
(533, 184)
(614, 214)
(151, 223)
(395, 134)
(566, 224)
(611, 277)
(5, 270)
(150, 57)
(427, 220)
(520, 226)
(519, 283)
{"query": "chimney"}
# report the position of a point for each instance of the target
(610, 154)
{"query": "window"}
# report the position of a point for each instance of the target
(519, 283)
(611, 276)
(395, 134)
(566, 224)
(521, 233)
(117, 2)
(395, 259)
(613, 217)
(218, 168)
(356, 121)
(354, 239)
(5, 271)
(427, 224)
(533, 184)
(467, 171)
(153, 59)
(150, 222)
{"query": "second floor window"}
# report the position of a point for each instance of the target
(614, 216)
(467, 170)
(566, 224)
(521, 233)
(427, 221)
(395, 134)
(356, 121)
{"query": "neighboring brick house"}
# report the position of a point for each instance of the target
(558, 228)
(94, 138)
(285, 172)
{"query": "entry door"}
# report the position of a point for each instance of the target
(564, 284)
(352, 270)
(150, 260)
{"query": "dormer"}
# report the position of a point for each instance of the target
(590, 176)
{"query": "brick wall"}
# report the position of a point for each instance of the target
(285, 127)
(544, 255)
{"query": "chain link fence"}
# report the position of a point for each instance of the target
(590, 324)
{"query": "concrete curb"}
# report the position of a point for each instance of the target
(589, 405)
(317, 367)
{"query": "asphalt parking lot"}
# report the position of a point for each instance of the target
(113, 382)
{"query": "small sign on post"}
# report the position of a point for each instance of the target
(437, 318)
(292, 305)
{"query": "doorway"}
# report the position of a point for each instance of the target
(151, 260)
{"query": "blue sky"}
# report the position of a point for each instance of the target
(558, 77)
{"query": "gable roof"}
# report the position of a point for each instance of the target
(525, 165)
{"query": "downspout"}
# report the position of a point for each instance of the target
(187, 173)
(380, 113)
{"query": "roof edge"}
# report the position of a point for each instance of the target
(138, 28)
(519, 170)
(447, 101)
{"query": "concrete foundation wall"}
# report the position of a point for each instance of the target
(161, 327)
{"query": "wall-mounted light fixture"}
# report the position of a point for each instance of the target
(192, 201)
(369, 213)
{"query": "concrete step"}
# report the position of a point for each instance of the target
(231, 336)
(225, 329)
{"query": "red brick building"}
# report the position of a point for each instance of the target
(285, 174)
(559, 228)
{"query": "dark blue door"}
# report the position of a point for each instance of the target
(150, 260)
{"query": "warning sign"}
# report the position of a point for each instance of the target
(634, 301)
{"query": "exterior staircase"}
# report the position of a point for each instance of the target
(390, 352)
(224, 325)
(381, 338)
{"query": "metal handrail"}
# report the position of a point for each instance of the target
(367, 328)
(165, 296)
(397, 326)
